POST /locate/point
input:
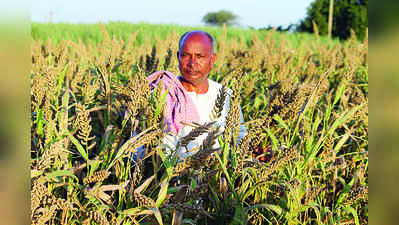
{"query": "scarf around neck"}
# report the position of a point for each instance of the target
(180, 108)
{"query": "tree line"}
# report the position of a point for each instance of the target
(347, 15)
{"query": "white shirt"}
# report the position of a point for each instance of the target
(204, 104)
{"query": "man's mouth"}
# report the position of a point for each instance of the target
(191, 71)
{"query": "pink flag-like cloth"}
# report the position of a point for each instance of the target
(180, 107)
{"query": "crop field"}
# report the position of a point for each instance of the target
(303, 97)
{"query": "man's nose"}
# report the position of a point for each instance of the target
(192, 61)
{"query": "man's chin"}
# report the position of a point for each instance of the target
(190, 76)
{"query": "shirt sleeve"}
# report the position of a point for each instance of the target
(243, 129)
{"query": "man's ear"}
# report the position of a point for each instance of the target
(213, 58)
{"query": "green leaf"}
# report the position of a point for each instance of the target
(215, 195)
(354, 213)
(172, 190)
(342, 141)
(35, 173)
(93, 165)
(239, 215)
(228, 177)
(233, 157)
(145, 184)
(132, 211)
(163, 191)
(159, 106)
(157, 215)
(275, 208)
(225, 152)
(339, 92)
(166, 162)
(106, 137)
(40, 123)
(327, 116)
(257, 102)
(60, 79)
(343, 193)
(281, 122)
(188, 221)
(274, 139)
(63, 119)
(61, 173)
(123, 149)
(80, 148)
(244, 187)
(342, 119)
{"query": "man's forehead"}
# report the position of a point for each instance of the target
(197, 36)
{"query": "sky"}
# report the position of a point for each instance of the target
(254, 13)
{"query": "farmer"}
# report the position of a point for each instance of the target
(192, 95)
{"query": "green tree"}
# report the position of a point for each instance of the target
(220, 17)
(348, 14)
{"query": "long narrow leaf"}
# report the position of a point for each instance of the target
(80, 148)
(275, 208)
(60, 173)
(340, 91)
(281, 122)
(354, 213)
(163, 191)
(157, 215)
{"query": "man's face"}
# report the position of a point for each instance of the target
(196, 58)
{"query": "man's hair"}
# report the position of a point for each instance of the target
(210, 38)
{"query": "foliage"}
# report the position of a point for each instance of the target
(151, 34)
(92, 112)
(348, 15)
(219, 18)
(279, 28)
